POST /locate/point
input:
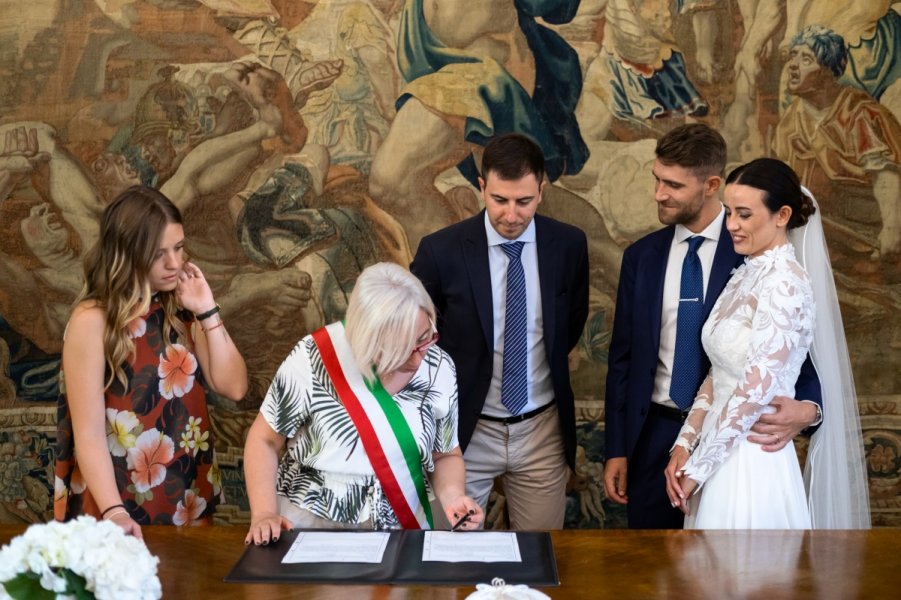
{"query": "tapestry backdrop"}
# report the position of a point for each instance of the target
(306, 140)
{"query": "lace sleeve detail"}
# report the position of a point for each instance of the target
(691, 429)
(781, 333)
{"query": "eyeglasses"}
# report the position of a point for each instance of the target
(426, 344)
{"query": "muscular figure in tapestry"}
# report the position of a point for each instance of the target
(199, 170)
(259, 191)
(257, 131)
(39, 251)
(472, 74)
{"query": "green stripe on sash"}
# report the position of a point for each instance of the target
(405, 440)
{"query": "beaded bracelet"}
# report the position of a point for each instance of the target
(109, 508)
(121, 511)
(207, 314)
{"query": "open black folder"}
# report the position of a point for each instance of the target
(401, 564)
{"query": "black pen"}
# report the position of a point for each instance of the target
(462, 520)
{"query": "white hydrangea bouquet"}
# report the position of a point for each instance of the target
(82, 559)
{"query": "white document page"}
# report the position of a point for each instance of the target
(483, 546)
(325, 546)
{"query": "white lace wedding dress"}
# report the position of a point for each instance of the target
(757, 338)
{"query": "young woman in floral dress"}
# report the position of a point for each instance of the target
(145, 337)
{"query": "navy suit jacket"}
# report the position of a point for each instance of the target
(453, 266)
(632, 360)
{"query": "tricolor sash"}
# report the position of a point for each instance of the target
(385, 433)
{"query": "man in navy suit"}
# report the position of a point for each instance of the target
(642, 420)
(526, 434)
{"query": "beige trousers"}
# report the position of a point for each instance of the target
(530, 459)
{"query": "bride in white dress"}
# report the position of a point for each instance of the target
(757, 337)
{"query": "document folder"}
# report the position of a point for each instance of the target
(402, 564)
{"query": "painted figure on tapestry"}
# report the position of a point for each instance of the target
(871, 36)
(470, 75)
(844, 145)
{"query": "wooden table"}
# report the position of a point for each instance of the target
(592, 564)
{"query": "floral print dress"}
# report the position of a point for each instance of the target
(157, 432)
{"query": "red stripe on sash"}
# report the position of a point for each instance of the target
(370, 440)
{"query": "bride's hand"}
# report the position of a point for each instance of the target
(689, 487)
(674, 477)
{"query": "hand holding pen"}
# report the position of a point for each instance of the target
(463, 512)
(462, 520)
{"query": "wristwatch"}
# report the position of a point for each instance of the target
(207, 314)
(819, 418)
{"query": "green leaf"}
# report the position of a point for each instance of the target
(27, 586)
(76, 585)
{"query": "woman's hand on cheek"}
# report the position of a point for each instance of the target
(193, 292)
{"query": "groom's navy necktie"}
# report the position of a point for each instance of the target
(688, 359)
(514, 376)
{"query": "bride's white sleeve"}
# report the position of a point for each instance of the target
(781, 333)
(690, 433)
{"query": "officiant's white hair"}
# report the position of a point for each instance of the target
(381, 317)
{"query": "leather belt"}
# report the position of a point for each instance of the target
(520, 417)
(667, 412)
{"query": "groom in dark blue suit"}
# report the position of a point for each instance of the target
(511, 291)
(650, 351)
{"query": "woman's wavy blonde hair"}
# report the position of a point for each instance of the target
(381, 317)
(117, 271)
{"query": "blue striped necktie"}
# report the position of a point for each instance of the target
(514, 377)
(688, 360)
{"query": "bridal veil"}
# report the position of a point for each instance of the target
(835, 473)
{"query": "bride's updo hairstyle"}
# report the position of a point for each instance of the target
(780, 187)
